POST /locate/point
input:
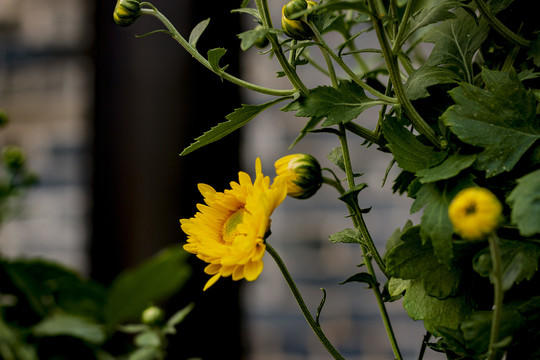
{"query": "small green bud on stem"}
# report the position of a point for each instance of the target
(126, 12)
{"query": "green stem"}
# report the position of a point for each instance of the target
(362, 132)
(347, 69)
(195, 53)
(369, 250)
(500, 27)
(399, 40)
(262, 6)
(498, 292)
(305, 311)
(393, 70)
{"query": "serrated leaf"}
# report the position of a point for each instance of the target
(214, 55)
(525, 203)
(410, 154)
(236, 120)
(435, 313)
(456, 41)
(197, 32)
(347, 236)
(519, 261)
(70, 325)
(431, 15)
(449, 168)
(153, 280)
(500, 118)
(411, 259)
(339, 106)
(350, 197)
(426, 76)
(435, 224)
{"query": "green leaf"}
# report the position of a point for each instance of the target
(449, 168)
(250, 37)
(335, 5)
(363, 278)
(534, 51)
(70, 325)
(436, 225)
(431, 15)
(347, 236)
(154, 280)
(411, 259)
(247, 10)
(176, 319)
(525, 203)
(426, 76)
(214, 55)
(350, 197)
(500, 118)
(339, 106)
(435, 313)
(409, 152)
(456, 41)
(197, 32)
(310, 125)
(519, 261)
(336, 156)
(236, 120)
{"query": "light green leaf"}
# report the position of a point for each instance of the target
(154, 280)
(197, 32)
(348, 236)
(236, 120)
(397, 286)
(411, 259)
(336, 156)
(447, 169)
(176, 319)
(250, 37)
(247, 10)
(426, 76)
(410, 154)
(500, 118)
(214, 55)
(339, 106)
(456, 41)
(435, 313)
(70, 325)
(525, 203)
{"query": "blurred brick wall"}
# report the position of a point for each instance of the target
(46, 88)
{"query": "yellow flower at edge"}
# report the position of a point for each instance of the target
(229, 230)
(302, 173)
(475, 213)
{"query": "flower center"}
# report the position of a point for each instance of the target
(470, 209)
(229, 227)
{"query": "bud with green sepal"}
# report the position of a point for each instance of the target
(152, 315)
(296, 28)
(302, 173)
(126, 12)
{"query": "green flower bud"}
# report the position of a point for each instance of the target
(152, 315)
(302, 173)
(296, 28)
(4, 119)
(126, 12)
(13, 157)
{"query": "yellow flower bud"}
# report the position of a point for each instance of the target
(296, 28)
(126, 12)
(302, 173)
(475, 213)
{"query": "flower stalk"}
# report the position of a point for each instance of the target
(498, 295)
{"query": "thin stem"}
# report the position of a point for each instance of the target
(398, 40)
(362, 132)
(498, 293)
(393, 70)
(424, 345)
(500, 27)
(195, 53)
(305, 311)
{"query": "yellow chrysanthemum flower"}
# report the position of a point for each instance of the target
(475, 212)
(229, 231)
(302, 173)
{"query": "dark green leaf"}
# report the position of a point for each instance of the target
(456, 41)
(410, 154)
(350, 197)
(411, 259)
(534, 50)
(236, 120)
(435, 313)
(70, 325)
(348, 236)
(339, 106)
(500, 118)
(214, 55)
(426, 76)
(525, 203)
(197, 32)
(431, 15)
(363, 278)
(447, 169)
(155, 279)
(335, 5)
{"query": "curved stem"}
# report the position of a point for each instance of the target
(305, 311)
(500, 27)
(498, 292)
(393, 70)
(153, 11)
(398, 41)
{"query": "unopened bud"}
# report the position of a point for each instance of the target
(302, 173)
(296, 28)
(126, 12)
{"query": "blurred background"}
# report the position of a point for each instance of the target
(103, 116)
